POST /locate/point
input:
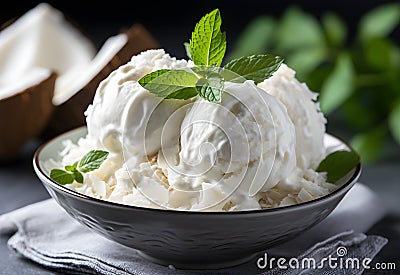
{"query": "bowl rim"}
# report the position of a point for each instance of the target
(44, 177)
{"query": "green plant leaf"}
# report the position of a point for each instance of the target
(306, 60)
(256, 38)
(379, 53)
(338, 164)
(317, 77)
(298, 29)
(183, 94)
(61, 177)
(187, 49)
(78, 176)
(206, 71)
(335, 29)
(369, 144)
(208, 43)
(254, 67)
(394, 122)
(211, 88)
(92, 160)
(151, 76)
(379, 22)
(359, 116)
(177, 84)
(338, 86)
(70, 168)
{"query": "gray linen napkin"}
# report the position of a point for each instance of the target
(44, 233)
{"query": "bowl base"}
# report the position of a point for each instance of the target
(197, 265)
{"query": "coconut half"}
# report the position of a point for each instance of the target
(34, 49)
(25, 109)
(34, 46)
(75, 93)
(43, 38)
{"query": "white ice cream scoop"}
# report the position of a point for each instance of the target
(124, 113)
(304, 112)
(247, 142)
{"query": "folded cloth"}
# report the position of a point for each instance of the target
(360, 209)
(44, 233)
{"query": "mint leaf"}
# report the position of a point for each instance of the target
(71, 168)
(338, 164)
(187, 49)
(254, 67)
(338, 87)
(92, 160)
(369, 144)
(379, 22)
(177, 84)
(185, 93)
(298, 30)
(379, 53)
(210, 88)
(335, 29)
(78, 176)
(306, 60)
(89, 162)
(208, 43)
(61, 177)
(151, 76)
(205, 71)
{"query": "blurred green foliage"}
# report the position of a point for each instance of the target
(358, 77)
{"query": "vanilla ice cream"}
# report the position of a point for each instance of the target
(304, 112)
(249, 133)
(124, 109)
(257, 149)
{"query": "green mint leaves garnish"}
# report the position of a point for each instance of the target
(61, 177)
(177, 84)
(91, 161)
(256, 67)
(338, 164)
(211, 88)
(207, 49)
(208, 43)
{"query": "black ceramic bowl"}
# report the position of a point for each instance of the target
(190, 239)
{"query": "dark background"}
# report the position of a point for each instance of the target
(171, 22)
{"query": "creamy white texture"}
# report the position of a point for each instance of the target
(123, 112)
(305, 113)
(248, 137)
(247, 152)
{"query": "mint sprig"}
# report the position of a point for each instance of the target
(90, 162)
(208, 43)
(255, 67)
(338, 164)
(211, 88)
(207, 49)
(176, 84)
(61, 176)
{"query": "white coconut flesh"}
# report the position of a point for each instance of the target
(31, 78)
(42, 37)
(68, 86)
